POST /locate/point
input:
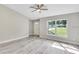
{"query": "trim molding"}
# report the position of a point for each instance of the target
(59, 39)
(10, 40)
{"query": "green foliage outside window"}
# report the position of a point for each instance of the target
(57, 27)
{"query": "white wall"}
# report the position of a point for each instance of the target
(43, 27)
(72, 25)
(12, 24)
(44, 24)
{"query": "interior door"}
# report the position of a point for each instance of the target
(36, 28)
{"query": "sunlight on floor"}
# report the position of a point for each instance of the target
(65, 47)
(56, 45)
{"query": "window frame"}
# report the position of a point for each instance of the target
(56, 26)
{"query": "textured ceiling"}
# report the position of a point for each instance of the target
(53, 9)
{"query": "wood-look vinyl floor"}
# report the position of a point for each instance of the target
(35, 45)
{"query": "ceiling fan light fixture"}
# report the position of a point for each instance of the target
(38, 7)
(38, 10)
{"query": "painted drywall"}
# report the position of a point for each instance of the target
(72, 25)
(53, 9)
(43, 27)
(12, 24)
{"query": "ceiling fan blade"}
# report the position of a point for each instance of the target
(38, 6)
(43, 9)
(41, 5)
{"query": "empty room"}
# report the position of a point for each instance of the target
(39, 28)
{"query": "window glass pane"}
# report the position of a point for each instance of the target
(51, 27)
(61, 28)
(57, 27)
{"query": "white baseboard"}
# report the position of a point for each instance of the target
(10, 40)
(60, 39)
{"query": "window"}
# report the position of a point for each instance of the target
(57, 27)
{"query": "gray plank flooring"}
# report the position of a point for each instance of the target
(35, 45)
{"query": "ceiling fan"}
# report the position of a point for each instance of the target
(38, 7)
